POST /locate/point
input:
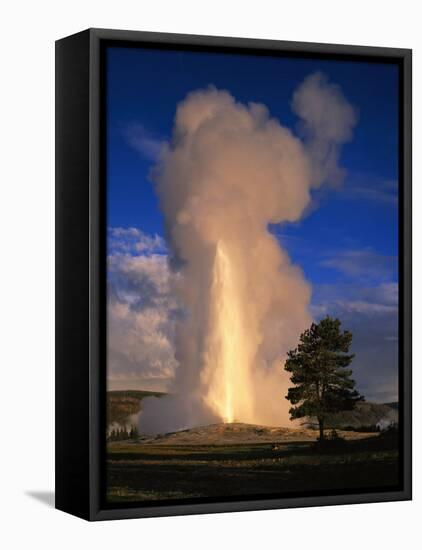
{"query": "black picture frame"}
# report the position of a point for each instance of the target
(80, 268)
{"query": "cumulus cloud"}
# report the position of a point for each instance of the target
(131, 240)
(140, 313)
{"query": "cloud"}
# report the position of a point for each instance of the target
(131, 240)
(140, 139)
(370, 188)
(141, 312)
(371, 314)
(363, 264)
(327, 121)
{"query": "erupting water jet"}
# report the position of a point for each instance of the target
(228, 363)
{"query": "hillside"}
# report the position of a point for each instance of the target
(239, 433)
(394, 405)
(121, 405)
(365, 415)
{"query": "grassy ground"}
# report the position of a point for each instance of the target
(143, 472)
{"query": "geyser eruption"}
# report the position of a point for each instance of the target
(227, 375)
(230, 171)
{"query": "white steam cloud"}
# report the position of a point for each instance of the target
(230, 171)
(327, 121)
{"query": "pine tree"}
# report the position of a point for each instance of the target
(322, 383)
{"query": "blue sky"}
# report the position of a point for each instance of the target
(347, 242)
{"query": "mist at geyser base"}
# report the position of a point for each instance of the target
(230, 171)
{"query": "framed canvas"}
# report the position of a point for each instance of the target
(233, 322)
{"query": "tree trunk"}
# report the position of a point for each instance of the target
(321, 429)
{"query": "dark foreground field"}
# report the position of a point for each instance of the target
(151, 470)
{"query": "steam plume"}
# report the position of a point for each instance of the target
(230, 171)
(327, 122)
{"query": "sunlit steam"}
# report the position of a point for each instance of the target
(230, 171)
(227, 375)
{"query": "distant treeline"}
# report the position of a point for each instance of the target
(121, 434)
(371, 428)
(133, 394)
